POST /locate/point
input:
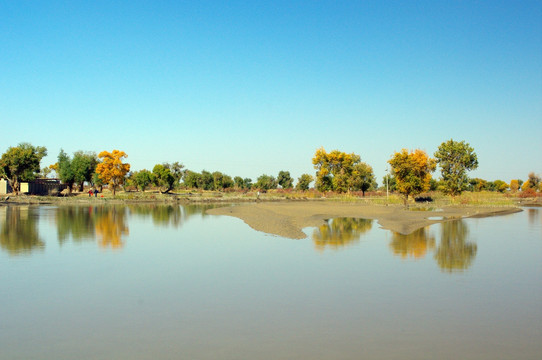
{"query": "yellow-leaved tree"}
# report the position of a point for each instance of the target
(111, 169)
(412, 171)
(342, 172)
(514, 185)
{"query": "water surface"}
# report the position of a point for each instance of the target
(169, 282)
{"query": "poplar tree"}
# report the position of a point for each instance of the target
(412, 172)
(455, 159)
(112, 170)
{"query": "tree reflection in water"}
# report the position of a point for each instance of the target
(415, 244)
(340, 232)
(19, 234)
(454, 252)
(110, 224)
(75, 222)
(169, 215)
(533, 218)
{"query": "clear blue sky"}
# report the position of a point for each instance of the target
(253, 87)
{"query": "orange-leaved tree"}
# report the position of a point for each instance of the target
(111, 169)
(412, 171)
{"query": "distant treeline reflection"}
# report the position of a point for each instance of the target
(109, 224)
(106, 224)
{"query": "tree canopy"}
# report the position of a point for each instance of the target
(21, 163)
(83, 166)
(341, 172)
(163, 177)
(412, 171)
(142, 179)
(76, 170)
(455, 159)
(112, 170)
(266, 182)
(534, 180)
(285, 180)
(64, 169)
(303, 182)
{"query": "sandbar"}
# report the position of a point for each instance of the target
(288, 219)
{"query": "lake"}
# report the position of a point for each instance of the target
(170, 282)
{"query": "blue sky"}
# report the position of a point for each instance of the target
(254, 87)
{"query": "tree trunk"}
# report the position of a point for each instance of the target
(14, 185)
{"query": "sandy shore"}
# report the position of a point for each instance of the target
(287, 219)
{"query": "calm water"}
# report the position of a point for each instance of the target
(142, 282)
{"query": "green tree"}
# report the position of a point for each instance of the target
(221, 181)
(304, 181)
(362, 178)
(247, 183)
(206, 181)
(266, 182)
(142, 179)
(21, 163)
(83, 166)
(227, 182)
(239, 183)
(191, 179)
(285, 180)
(97, 181)
(177, 171)
(455, 159)
(65, 171)
(163, 178)
(412, 171)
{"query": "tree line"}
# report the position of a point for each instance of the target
(337, 171)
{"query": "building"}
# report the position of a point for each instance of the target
(36, 187)
(4, 187)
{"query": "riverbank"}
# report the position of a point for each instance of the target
(287, 219)
(488, 199)
(286, 214)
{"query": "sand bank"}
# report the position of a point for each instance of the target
(287, 219)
